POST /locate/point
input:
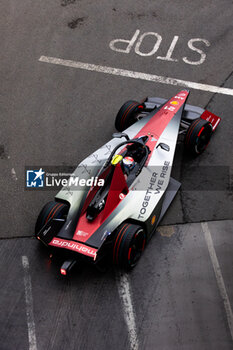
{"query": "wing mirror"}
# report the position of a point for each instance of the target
(164, 146)
(119, 135)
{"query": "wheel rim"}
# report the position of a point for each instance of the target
(203, 139)
(136, 248)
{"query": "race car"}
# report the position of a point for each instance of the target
(133, 188)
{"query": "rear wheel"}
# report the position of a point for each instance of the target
(127, 115)
(56, 210)
(129, 244)
(198, 136)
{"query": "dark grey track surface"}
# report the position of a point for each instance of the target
(174, 292)
(53, 115)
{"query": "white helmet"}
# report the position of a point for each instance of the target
(129, 163)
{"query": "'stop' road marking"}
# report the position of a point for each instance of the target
(136, 75)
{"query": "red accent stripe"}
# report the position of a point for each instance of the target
(143, 245)
(115, 245)
(118, 185)
(119, 244)
(200, 131)
(129, 252)
(51, 212)
(61, 205)
(126, 113)
(191, 130)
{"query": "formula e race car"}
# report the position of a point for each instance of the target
(132, 188)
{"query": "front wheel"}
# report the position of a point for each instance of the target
(128, 246)
(127, 115)
(198, 136)
(56, 210)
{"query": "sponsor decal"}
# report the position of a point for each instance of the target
(155, 186)
(170, 108)
(35, 178)
(180, 96)
(121, 195)
(46, 231)
(212, 118)
(81, 233)
(162, 177)
(77, 247)
(175, 103)
(147, 197)
(153, 220)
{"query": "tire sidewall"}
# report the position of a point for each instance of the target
(125, 237)
(126, 115)
(192, 136)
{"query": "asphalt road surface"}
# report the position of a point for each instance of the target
(180, 295)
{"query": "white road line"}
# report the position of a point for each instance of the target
(218, 275)
(136, 75)
(29, 305)
(125, 295)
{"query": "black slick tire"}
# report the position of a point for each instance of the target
(128, 246)
(127, 115)
(198, 136)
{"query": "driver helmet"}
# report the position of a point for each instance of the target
(129, 163)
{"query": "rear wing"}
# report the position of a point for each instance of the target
(190, 112)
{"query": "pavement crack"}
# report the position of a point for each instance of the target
(182, 204)
(223, 83)
(15, 237)
(185, 217)
(195, 222)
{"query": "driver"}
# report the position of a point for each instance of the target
(129, 164)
